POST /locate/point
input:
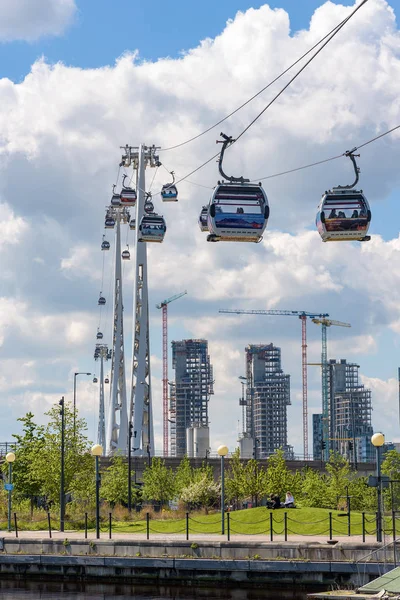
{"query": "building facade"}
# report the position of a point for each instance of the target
(267, 399)
(317, 436)
(189, 397)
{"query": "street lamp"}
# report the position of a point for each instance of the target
(75, 376)
(97, 451)
(222, 452)
(10, 457)
(377, 440)
(62, 458)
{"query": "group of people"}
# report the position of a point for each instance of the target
(275, 502)
(342, 215)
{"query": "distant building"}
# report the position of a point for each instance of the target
(317, 436)
(350, 408)
(189, 397)
(267, 398)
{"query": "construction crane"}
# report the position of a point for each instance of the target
(302, 315)
(325, 323)
(164, 306)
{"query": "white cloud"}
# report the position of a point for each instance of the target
(62, 127)
(27, 20)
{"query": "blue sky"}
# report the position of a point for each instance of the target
(103, 30)
(61, 129)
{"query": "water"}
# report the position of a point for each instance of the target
(25, 590)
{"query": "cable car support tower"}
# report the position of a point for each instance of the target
(101, 352)
(140, 415)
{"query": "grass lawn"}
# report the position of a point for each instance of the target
(300, 521)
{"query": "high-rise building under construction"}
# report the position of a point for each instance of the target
(189, 397)
(267, 398)
(350, 409)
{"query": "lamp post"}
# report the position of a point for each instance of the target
(62, 484)
(75, 376)
(377, 440)
(222, 452)
(10, 457)
(97, 451)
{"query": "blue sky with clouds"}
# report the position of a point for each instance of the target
(60, 131)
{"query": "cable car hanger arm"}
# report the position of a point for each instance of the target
(351, 155)
(227, 141)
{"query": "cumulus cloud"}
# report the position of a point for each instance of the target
(26, 20)
(62, 128)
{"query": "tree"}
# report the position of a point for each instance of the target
(46, 463)
(184, 475)
(234, 482)
(279, 477)
(158, 482)
(202, 492)
(27, 483)
(114, 482)
(254, 481)
(338, 468)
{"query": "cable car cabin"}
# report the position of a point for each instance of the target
(169, 193)
(106, 380)
(343, 215)
(152, 228)
(203, 219)
(115, 199)
(99, 335)
(132, 224)
(105, 245)
(148, 206)
(237, 213)
(102, 301)
(126, 255)
(128, 196)
(109, 223)
(95, 380)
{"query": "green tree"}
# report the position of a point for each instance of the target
(313, 491)
(114, 482)
(158, 482)
(234, 481)
(254, 481)
(202, 492)
(279, 476)
(27, 483)
(184, 475)
(338, 469)
(46, 464)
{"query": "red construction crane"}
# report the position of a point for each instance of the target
(303, 317)
(164, 306)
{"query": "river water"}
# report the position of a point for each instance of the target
(25, 590)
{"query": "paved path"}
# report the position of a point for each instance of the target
(202, 537)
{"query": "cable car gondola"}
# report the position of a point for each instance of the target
(126, 255)
(115, 198)
(95, 380)
(99, 335)
(152, 228)
(109, 222)
(106, 380)
(132, 224)
(344, 213)
(128, 194)
(102, 300)
(104, 244)
(169, 191)
(203, 219)
(238, 210)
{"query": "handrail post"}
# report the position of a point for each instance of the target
(49, 523)
(285, 525)
(228, 526)
(86, 523)
(15, 525)
(330, 526)
(148, 525)
(187, 526)
(363, 526)
(394, 536)
(271, 527)
(109, 526)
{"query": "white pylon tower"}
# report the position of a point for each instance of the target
(117, 414)
(140, 409)
(101, 352)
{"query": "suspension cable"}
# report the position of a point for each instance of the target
(192, 139)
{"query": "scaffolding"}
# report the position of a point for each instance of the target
(350, 412)
(268, 395)
(192, 390)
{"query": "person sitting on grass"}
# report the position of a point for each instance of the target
(289, 500)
